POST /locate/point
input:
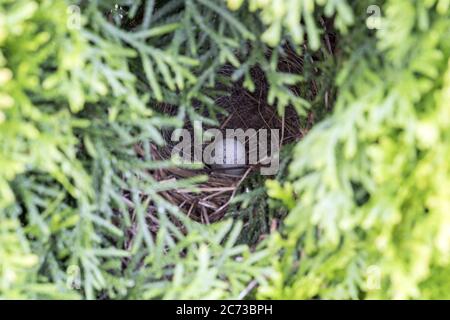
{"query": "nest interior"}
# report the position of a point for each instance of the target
(245, 110)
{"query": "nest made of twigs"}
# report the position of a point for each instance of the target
(245, 110)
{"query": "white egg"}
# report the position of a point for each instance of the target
(229, 156)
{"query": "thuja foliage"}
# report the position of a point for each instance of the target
(77, 95)
(368, 191)
(369, 186)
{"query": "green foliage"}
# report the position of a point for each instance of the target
(77, 97)
(280, 15)
(368, 192)
(372, 180)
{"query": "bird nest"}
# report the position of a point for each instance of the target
(243, 109)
